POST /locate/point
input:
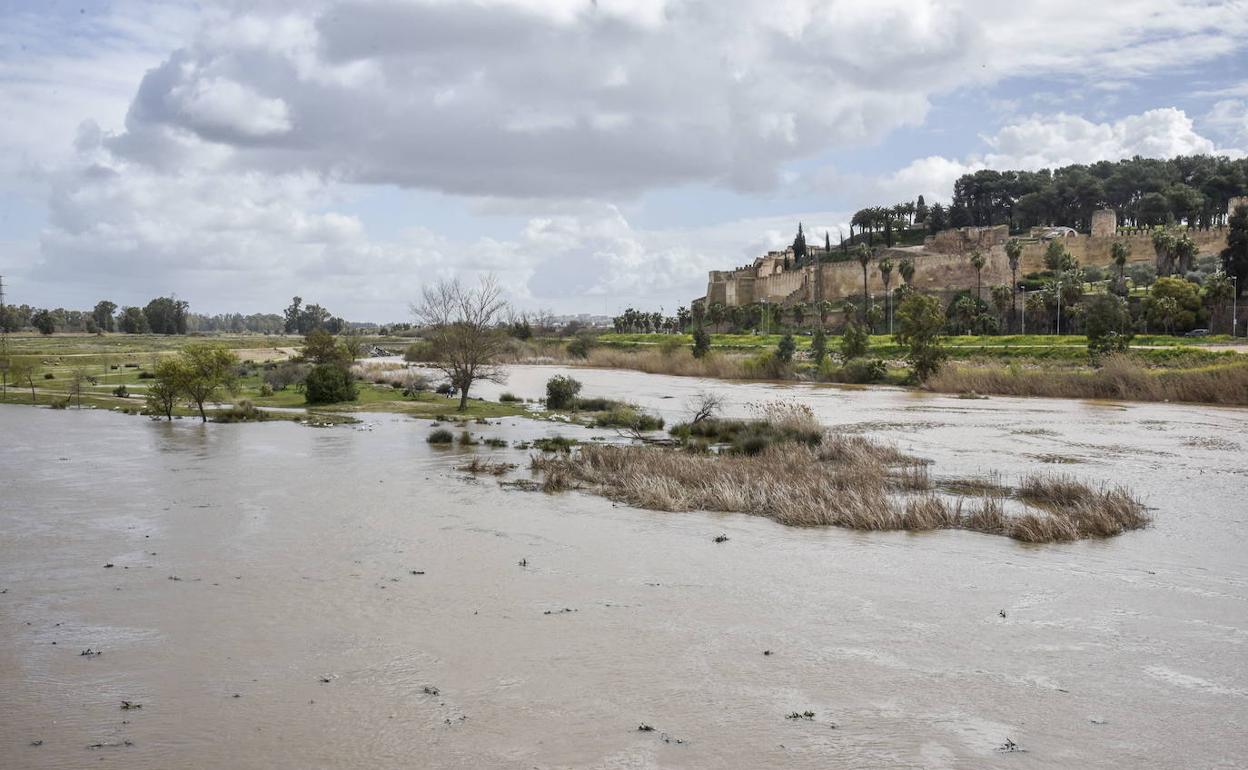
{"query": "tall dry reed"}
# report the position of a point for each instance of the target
(1119, 378)
(846, 481)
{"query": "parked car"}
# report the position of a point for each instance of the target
(1197, 333)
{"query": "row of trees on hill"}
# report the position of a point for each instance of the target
(884, 220)
(1194, 190)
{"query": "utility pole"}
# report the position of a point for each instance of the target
(1234, 304)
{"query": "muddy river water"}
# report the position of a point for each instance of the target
(282, 596)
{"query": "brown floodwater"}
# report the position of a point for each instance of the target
(251, 562)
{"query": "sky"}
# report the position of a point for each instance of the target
(591, 154)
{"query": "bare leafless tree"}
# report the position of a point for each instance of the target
(462, 326)
(704, 406)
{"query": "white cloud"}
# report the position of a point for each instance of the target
(529, 99)
(218, 172)
(218, 107)
(1229, 118)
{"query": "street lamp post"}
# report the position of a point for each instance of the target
(1059, 308)
(1234, 306)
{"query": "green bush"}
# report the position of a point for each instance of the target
(554, 443)
(701, 342)
(580, 347)
(329, 384)
(561, 392)
(862, 371)
(626, 416)
(855, 342)
(49, 376)
(509, 398)
(418, 351)
(441, 436)
(121, 391)
(595, 404)
(243, 411)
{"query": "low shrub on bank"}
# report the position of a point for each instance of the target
(509, 398)
(629, 418)
(855, 371)
(242, 411)
(561, 392)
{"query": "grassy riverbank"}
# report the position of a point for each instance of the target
(1156, 368)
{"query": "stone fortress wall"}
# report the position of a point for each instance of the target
(942, 263)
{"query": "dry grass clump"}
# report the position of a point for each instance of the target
(480, 465)
(1120, 377)
(680, 363)
(845, 481)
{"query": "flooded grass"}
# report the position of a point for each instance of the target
(844, 481)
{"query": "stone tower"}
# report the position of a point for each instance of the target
(1104, 223)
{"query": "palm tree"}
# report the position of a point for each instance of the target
(1013, 251)
(1002, 297)
(864, 258)
(1120, 252)
(799, 313)
(886, 275)
(825, 309)
(906, 268)
(978, 262)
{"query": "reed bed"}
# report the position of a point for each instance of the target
(845, 481)
(1119, 378)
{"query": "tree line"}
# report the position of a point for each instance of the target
(1190, 189)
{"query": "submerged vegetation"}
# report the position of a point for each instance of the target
(786, 467)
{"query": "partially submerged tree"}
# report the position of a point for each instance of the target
(463, 331)
(165, 387)
(207, 371)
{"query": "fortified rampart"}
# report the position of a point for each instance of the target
(941, 264)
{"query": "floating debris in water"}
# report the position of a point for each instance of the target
(430, 690)
(418, 572)
(558, 612)
(721, 538)
(128, 705)
(766, 652)
(523, 562)
(808, 714)
(90, 653)
(112, 745)
(1009, 746)
(644, 728)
